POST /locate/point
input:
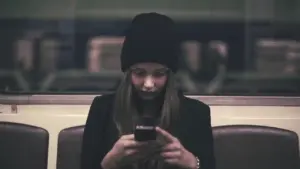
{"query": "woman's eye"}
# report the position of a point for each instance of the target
(159, 74)
(140, 73)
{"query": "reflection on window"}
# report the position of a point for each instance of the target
(278, 56)
(221, 48)
(216, 57)
(50, 60)
(49, 53)
(217, 66)
(192, 55)
(104, 53)
(191, 64)
(24, 55)
(205, 68)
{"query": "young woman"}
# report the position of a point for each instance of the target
(184, 135)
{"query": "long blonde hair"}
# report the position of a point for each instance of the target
(124, 108)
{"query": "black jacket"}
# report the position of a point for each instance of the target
(193, 130)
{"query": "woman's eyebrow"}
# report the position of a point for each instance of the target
(155, 70)
(137, 68)
(161, 69)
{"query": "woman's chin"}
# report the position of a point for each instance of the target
(147, 97)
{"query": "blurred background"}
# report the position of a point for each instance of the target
(228, 47)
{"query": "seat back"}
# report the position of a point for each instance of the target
(259, 147)
(23, 146)
(69, 148)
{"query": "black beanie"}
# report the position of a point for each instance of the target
(151, 37)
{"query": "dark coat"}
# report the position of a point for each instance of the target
(193, 130)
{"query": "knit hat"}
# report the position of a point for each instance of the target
(151, 37)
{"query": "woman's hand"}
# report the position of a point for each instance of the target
(174, 153)
(125, 151)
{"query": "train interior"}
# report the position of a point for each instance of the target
(51, 69)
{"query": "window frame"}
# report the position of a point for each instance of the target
(210, 100)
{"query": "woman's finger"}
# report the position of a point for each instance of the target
(166, 135)
(172, 147)
(171, 154)
(133, 144)
(127, 137)
(131, 152)
(172, 161)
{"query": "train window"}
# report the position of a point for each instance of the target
(276, 70)
(223, 51)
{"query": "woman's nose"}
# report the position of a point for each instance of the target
(148, 83)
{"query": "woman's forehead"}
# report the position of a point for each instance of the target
(149, 66)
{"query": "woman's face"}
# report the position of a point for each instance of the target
(149, 79)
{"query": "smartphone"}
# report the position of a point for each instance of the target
(145, 129)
